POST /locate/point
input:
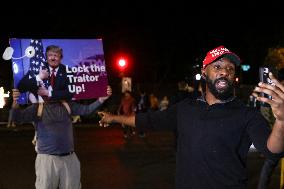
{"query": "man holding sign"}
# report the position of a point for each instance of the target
(56, 163)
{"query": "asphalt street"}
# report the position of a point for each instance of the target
(107, 159)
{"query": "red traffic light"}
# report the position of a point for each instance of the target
(122, 64)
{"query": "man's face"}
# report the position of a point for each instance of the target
(219, 77)
(53, 59)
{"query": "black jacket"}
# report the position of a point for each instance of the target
(213, 141)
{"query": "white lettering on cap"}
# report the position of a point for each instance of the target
(218, 52)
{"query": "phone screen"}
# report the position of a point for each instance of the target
(264, 77)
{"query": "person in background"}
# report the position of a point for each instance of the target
(154, 103)
(142, 107)
(76, 119)
(10, 122)
(127, 107)
(164, 103)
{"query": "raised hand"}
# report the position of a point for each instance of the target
(109, 93)
(277, 92)
(106, 119)
(43, 73)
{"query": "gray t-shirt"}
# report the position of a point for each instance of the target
(54, 127)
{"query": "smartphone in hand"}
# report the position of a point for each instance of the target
(264, 78)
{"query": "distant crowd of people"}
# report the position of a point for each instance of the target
(131, 104)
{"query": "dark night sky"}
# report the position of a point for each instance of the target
(164, 40)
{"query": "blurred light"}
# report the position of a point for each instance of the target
(196, 66)
(8, 53)
(2, 96)
(15, 68)
(197, 77)
(121, 62)
(237, 79)
(245, 68)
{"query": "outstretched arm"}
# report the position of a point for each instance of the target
(275, 142)
(110, 118)
(80, 109)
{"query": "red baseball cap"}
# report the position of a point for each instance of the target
(218, 52)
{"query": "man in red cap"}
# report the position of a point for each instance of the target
(220, 63)
(216, 131)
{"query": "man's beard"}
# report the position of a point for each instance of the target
(223, 93)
